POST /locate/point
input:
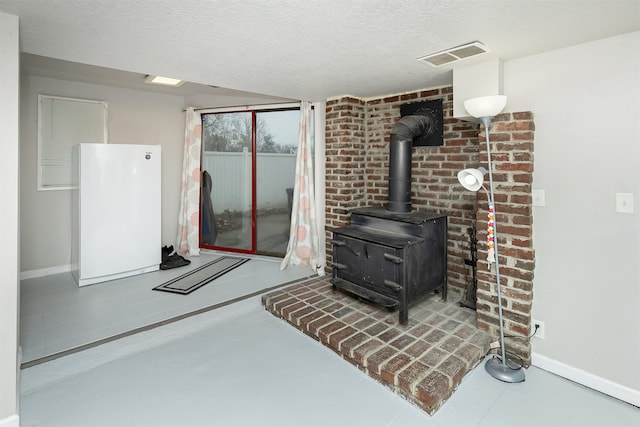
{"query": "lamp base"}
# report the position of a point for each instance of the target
(509, 372)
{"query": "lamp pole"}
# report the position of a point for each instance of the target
(502, 372)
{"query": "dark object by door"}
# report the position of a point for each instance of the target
(209, 227)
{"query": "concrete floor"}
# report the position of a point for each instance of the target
(237, 365)
(241, 366)
(57, 316)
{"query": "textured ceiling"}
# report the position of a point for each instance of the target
(306, 49)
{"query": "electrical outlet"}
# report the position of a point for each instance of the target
(538, 198)
(540, 333)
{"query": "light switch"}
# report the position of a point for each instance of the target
(538, 197)
(624, 203)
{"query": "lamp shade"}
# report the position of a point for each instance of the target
(485, 106)
(472, 179)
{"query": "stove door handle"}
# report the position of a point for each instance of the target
(393, 285)
(394, 259)
(343, 243)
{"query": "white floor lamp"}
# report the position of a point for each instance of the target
(485, 108)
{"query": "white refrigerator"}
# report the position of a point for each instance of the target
(116, 220)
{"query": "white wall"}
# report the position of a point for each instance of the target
(9, 258)
(135, 117)
(586, 103)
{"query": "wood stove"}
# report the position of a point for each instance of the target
(391, 259)
(393, 256)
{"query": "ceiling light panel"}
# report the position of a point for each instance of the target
(159, 80)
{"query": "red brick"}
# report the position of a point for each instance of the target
(325, 331)
(464, 332)
(389, 335)
(433, 357)
(377, 359)
(362, 352)
(316, 299)
(348, 345)
(434, 336)
(315, 325)
(451, 344)
(402, 341)
(432, 391)
(390, 369)
(418, 348)
(306, 320)
(376, 329)
(470, 354)
(409, 377)
(334, 306)
(283, 303)
(296, 315)
(364, 323)
(300, 291)
(454, 369)
(286, 311)
(337, 337)
(271, 299)
(322, 303)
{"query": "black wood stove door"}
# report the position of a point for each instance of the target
(368, 264)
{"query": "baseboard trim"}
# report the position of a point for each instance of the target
(12, 421)
(41, 272)
(579, 376)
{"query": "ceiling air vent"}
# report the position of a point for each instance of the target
(454, 54)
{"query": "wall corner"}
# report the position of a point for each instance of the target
(482, 79)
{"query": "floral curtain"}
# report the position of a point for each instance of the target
(304, 237)
(188, 240)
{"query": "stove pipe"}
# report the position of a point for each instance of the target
(401, 142)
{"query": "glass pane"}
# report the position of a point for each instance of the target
(227, 197)
(277, 139)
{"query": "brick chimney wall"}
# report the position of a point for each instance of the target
(345, 145)
(357, 162)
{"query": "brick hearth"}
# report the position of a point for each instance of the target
(423, 361)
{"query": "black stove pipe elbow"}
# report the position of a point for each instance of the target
(401, 143)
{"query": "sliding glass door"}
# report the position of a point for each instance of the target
(277, 138)
(248, 166)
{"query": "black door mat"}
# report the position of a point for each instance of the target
(197, 278)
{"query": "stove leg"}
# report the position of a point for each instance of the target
(404, 316)
(403, 307)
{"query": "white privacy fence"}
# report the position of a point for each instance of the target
(231, 174)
